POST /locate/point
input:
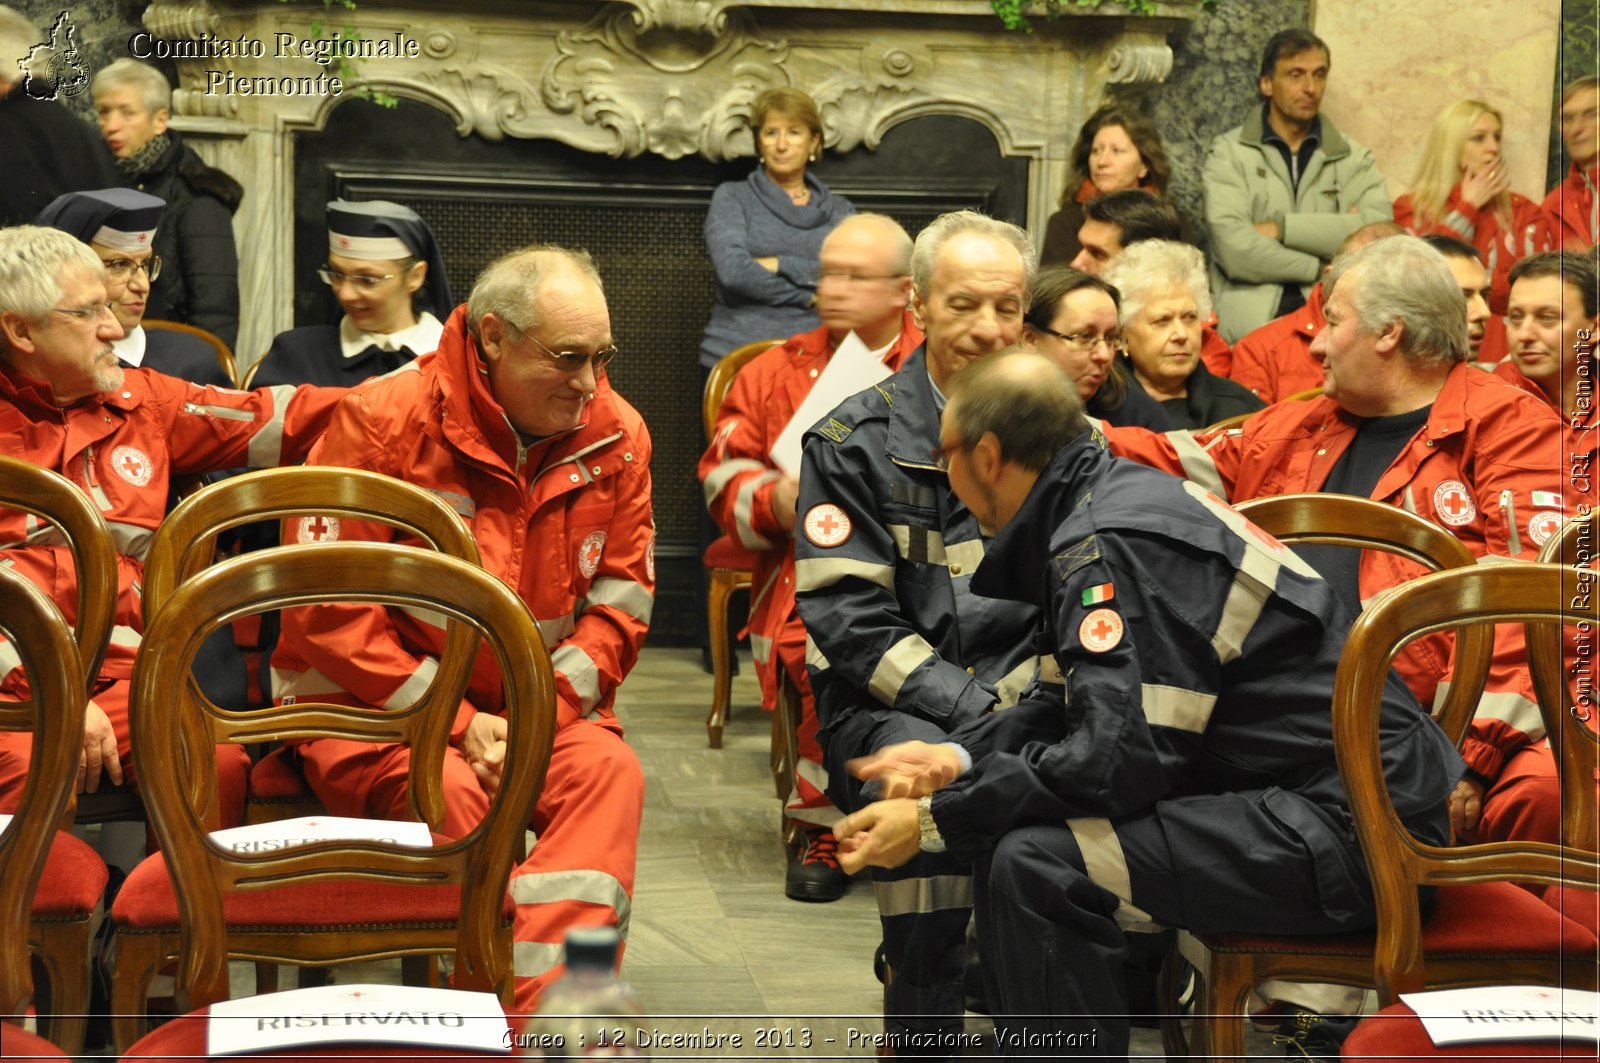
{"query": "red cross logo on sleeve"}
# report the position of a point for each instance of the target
(827, 525)
(1101, 630)
(594, 544)
(1543, 525)
(318, 529)
(1453, 503)
(133, 465)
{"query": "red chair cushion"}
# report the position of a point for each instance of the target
(147, 901)
(277, 777)
(727, 553)
(1486, 917)
(1395, 1033)
(184, 1038)
(74, 879)
(1579, 905)
(17, 1043)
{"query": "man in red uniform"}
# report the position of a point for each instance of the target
(1573, 206)
(121, 435)
(1551, 323)
(1275, 360)
(864, 285)
(513, 422)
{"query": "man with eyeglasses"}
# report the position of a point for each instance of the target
(863, 286)
(514, 422)
(119, 225)
(121, 435)
(901, 647)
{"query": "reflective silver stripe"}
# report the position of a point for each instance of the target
(1508, 500)
(1512, 708)
(1408, 501)
(266, 446)
(744, 511)
(814, 656)
(124, 636)
(427, 617)
(760, 648)
(813, 773)
(579, 668)
(130, 540)
(967, 555)
(415, 686)
(1186, 710)
(1014, 682)
(553, 631)
(309, 683)
(1496, 559)
(1108, 869)
(10, 660)
(227, 413)
(814, 573)
(529, 959)
(1197, 464)
(1458, 221)
(718, 478)
(895, 665)
(936, 893)
(585, 886)
(1050, 671)
(623, 595)
(1251, 587)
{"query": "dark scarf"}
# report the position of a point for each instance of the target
(145, 159)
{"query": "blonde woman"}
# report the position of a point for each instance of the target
(1463, 189)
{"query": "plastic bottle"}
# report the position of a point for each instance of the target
(587, 1013)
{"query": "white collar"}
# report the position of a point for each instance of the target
(131, 348)
(420, 338)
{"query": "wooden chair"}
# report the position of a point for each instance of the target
(186, 543)
(1303, 396)
(730, 564)
(31, 842)
(225, 359)
(1548, 654)
(248, 377)
(1492, 930)
(1230, 965)
(64, 914)
(334, 902)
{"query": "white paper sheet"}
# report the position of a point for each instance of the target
(392, 1014)
(287, 833)
(1506, 1013)
(851, 369)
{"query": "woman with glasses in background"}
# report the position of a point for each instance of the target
(386, 271)
(1073, 322)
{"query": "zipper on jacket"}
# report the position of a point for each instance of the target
(92, 482)
(1509, 512)
(227, 413)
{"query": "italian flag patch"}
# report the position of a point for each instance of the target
(1095, 595)
(1547, 499)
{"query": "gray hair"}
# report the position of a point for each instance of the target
(18, 35)
(1404, 279)
(1028, 402)
(509, 286)
(939, 231)
(130, 73)
(893, 233)
(1149, 267)
(32, 258)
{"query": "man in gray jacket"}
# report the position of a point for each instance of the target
(1283, 189)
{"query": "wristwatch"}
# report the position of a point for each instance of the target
(932, 840)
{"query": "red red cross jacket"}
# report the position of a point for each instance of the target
(1500, 248)
(1489, 466)
(566, 523)
(1574, 211)
(122, 448)
(738, 475)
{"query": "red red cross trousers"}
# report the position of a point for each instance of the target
(1453, 504)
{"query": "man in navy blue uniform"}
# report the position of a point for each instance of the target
(900, 647)
(1175, 765)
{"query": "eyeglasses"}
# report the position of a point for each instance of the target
(86, 313)
(333, 278)
(121, 269)
(852, 277)
(1084, 341)
(569, 361)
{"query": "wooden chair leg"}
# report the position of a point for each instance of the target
(1169, 987)
(722, 588)
(1228, 984)
(266, 978)
(138, 958)
(419, 970)
(64, 953)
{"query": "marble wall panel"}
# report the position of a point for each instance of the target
(1396, 65)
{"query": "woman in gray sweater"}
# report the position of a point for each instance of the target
(764, 233)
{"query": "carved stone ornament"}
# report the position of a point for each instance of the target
(1139, 59)
(668, 77)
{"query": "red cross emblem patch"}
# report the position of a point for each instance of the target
(1452, 504)
(133, 465)
(827, 525)
(593, 545)
(317, 530)
(1100, 631)
(1543, 525)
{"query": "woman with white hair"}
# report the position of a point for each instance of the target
(1165, 303)
(1463, 189)
(199, 282)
